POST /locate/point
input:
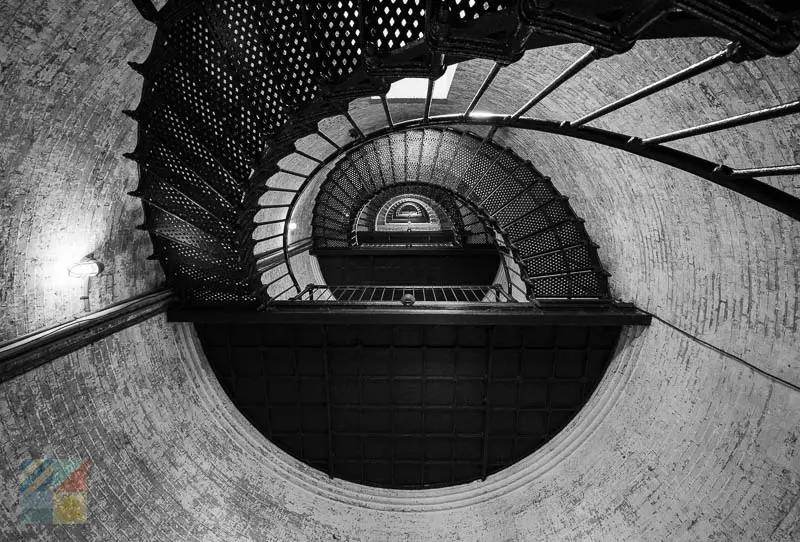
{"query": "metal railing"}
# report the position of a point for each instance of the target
(407, 238)
(406, 295)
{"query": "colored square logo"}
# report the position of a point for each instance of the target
(53, 491)
(69, 508)
(35, 507)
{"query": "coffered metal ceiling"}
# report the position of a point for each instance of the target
(408, 406)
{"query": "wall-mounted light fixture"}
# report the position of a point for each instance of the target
(292, 226)
(86, 267)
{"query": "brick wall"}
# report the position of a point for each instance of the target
(65, 80)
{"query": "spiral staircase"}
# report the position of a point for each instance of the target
(231, 85)
(234, 89)
(549, 244)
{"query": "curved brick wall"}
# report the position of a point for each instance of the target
(64, 81)
(678, 443)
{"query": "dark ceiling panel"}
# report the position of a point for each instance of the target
(444, 267)
(408, 406)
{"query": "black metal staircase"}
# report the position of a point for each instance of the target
(231, 85)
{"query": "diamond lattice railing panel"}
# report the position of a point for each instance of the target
(214, 124)
(392, 24)
(288, 41)
(267, 44)
(470, 10)
(255, 103)
(335, 27)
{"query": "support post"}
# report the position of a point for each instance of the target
(290, 172)
(772, 171)
(687, 73)
(562, 78)
(329, 140)
(306, 155)
(484, 86)
(731, 122)
(386, 111)
(428, 99)
(326, 363)
(487, 411)
(354, 125)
